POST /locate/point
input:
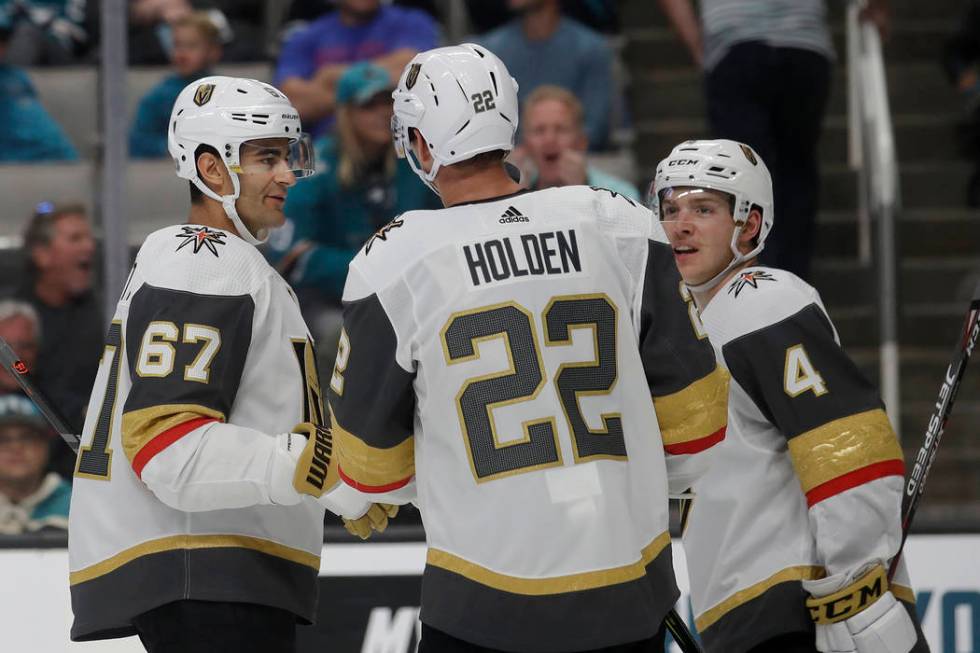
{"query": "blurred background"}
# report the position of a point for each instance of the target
(869, 119)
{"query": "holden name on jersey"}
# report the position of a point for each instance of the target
(511, 257)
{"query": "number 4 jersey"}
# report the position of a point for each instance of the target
(502, 355)
(808, 481)
(206, 335)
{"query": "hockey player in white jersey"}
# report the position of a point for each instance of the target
(496, 367)
(186, 525)
(791, 531)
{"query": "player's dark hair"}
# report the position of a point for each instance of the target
(196, 195)
(755, 238)
(482, 160)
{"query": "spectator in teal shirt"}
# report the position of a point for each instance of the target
(361, 186)
(30, 498)
(197, 48)
(29, 133)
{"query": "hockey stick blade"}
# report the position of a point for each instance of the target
(17, 369)
(680, 633)
(936, 426)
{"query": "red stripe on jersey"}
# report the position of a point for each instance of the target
(698, 445)
(854, 479)
(164, 440)
(372, 489)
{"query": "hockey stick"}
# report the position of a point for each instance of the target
(17, 369)
(680, 633)
(916, 482)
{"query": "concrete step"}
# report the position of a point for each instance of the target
(922, 233)
(845, 284)
(923, 325)
(678, 92)
(920, 41)
(919, 137)
(935, 186)
(647, 13)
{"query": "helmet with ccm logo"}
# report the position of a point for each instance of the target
(722, 165)
(462, 101)
(226, 113)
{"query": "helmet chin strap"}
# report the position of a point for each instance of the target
(428, 178)
(228, 204)
(737, 259)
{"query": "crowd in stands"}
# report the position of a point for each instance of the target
(961, 58)
(338, 62)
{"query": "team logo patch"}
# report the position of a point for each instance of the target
(382, 233)
(413, 75)
(751, 278)
(203, 94)
(749, 154)
(201, 237)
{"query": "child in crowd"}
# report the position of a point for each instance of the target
(197, 48)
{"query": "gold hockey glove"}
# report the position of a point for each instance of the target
(375, 519)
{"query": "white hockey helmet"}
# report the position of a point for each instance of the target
(225, 113)
(463, 102)
(727, 166)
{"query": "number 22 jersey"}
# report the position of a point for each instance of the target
(499, 359)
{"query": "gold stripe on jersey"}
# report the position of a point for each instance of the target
(372, 466)
(903, 593)
(695, 412)
(802, 572)
(842, 446)
(139, 427)
(555, 585)
(178, 542)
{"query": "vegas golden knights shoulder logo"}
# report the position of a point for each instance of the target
(203, 94)
(749, 154)
(413, 75)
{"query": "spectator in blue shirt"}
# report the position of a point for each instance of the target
(29, 132)
(197, 48)
(544, 47)
(361, 186)
(314, 58)
(554, 143)
(31, 499)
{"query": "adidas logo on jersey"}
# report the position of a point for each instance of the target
(513, 215)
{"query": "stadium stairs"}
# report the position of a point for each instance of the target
(939, 237)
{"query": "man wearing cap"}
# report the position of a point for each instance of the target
(360, 187)
(31, 499)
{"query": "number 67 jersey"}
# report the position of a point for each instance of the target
(168, 502)
(502, 355)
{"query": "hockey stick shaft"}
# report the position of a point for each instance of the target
(916, 482)
(680, 633)
(18, 369)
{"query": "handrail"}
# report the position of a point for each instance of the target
(872, 154)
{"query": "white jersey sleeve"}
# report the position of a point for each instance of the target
(190, 330)
(372, 403)
(782, 351)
